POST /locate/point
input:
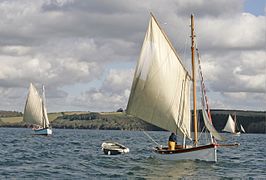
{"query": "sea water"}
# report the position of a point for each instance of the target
(76, 154)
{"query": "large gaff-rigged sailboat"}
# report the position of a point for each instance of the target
(35, 112)
(231, 126)
(160, 95)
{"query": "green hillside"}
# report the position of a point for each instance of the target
(252, 121)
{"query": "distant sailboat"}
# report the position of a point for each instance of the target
(160, 95)
(231, 126)
(242, 129)
(35, 112)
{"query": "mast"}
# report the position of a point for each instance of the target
(194, 81)
(42, 99)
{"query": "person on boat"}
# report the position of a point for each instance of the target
(36, 127)
(172, 141)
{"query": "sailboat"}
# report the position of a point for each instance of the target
(231, 126)
(35, 112)
(160, 95)
(242, 129)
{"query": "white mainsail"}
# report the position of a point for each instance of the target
(160, 95)
(160, 92)
(230, 125)
(35, 111)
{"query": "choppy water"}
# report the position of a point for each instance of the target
(76, 154)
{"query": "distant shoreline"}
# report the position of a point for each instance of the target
(252, 121)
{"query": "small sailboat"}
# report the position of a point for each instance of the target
(242, 129)
(231, 126)
(114, 148)
(160, 95)
(35, 112)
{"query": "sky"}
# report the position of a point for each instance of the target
(85, 52)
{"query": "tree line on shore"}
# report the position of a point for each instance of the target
(252, 121)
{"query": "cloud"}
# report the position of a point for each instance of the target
(76, 49)
(117, 81)
(112, 95)
(211, 8)
(236, 72)
(238, 32)
(245, 100)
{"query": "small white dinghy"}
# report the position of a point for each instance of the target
(113, 148)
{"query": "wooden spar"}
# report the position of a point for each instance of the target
(194, 82)
(227, 145)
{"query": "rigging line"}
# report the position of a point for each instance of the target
(203, 129)
(203, 87)
(204, 93)
(151, 138)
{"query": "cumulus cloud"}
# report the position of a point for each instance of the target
(117, 81)
(240, 32)
(76, 49)
(112, 94)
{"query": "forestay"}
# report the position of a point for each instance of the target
(161, 85)
(205, 107)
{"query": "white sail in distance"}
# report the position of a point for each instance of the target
(35, 111)
(242, 129)
(230, 125)
(160, 92)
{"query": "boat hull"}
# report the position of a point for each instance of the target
(203, 153)
(237, 134)
(113, 148)
(45, 131)
(114, 152)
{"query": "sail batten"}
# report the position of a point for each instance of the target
(161, 85)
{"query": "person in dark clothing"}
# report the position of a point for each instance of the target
(172, 141)
(172, 137)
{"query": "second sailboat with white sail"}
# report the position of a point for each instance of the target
(35, 112)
